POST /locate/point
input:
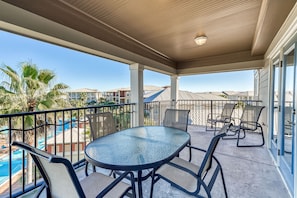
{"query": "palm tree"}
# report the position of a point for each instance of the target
(29, 91)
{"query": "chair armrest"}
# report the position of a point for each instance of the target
(196, 148)
(115, 182)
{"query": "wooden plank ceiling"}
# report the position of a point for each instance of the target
(163, 31)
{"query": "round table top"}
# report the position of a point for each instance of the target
(137, 148)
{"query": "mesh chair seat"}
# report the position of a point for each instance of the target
(190, 177)
(92, 187)
(181, 178)
(60, 179)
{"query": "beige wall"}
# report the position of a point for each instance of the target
(264, 96)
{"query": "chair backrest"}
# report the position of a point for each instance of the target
(176, 118)
(227, 111)
(101, 124)
(207, 160)
(58, 173)
(288, 120)
(250, 117)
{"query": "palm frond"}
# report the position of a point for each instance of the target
(46, 76)
(29, 70)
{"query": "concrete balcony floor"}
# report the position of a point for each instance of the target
(249, 172)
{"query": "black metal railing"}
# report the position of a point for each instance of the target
(65, 132)
(199, 109)
(62, 132)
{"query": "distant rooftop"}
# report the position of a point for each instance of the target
(145, 88)
(164, 95)
(82, 90)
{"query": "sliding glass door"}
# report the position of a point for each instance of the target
(276, 83)
(288, 115)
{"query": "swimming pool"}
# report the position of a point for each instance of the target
(17, 157)
(16, 165)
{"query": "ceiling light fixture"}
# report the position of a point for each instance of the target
(200, 40)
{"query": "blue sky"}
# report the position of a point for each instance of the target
(80, 70)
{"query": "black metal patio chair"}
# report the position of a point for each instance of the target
(179, 119)
(223, 118)
(176, 118)
(192, 178)
(60, 179)
(248, 122)
(101, 124)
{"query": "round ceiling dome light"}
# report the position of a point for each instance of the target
(200, 40)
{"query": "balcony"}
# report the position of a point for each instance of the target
(249, 172)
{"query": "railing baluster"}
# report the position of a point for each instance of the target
(154, 112)
(10, 157)
(23, 155)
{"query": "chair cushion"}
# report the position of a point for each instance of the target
(96, 182)
(178, 176)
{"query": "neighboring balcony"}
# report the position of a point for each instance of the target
(249, 172)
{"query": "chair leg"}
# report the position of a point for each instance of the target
(236, 133)
(86, 168)
(211, 126)
(152, 184)
(190, 152)
(224, 183)
(41, 190)
(254, 145)
(215, 129)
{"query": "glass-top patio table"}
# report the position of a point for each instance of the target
(136, 149)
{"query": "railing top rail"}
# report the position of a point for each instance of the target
(224, 100)
(60, 110)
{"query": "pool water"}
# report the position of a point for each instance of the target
(17, 156)
(16, 165)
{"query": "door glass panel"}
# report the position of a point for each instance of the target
(289, 106)
(276, 76)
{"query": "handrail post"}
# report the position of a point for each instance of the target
(211, 114)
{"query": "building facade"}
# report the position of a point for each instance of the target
(92, 95)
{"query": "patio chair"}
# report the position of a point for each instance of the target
(176, 118)
(179, 119)
(288, 124)
(192, 178)
(248, 122)
(60, 179)
(101, 124)
(288, 121)
(223, 118)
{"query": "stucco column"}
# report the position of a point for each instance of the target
(174, 90)
(136, 84)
